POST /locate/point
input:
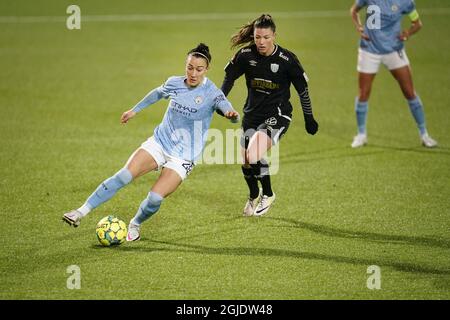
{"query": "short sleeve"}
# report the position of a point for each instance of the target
(234, 69)
(361, 3)
(410, 7)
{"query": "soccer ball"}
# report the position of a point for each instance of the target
(111, 231)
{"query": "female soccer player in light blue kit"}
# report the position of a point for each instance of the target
(177, 141)
(382, 41)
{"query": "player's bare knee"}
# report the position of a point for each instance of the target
(136, 170)
(252, 158)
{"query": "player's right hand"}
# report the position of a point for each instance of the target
(233, 116)
(362, 34)
(127, 115)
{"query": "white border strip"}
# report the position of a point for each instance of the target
(197, 16)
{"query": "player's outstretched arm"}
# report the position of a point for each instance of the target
(300, 82)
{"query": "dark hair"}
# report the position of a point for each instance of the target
(201, 51)
(245, 34)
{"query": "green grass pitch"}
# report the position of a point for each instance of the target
(338, 211)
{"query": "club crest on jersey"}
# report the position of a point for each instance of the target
(198, 100)
(271, 121)
(394, 8)
(274, 67)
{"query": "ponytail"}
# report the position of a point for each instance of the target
(245, 34)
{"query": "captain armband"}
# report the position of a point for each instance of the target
(414, 15)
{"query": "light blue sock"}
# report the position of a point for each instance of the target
(148, 207)
(416, 107)
(108, 188)
(361, 115)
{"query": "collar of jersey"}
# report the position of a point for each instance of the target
(201, 84)
(273, 53)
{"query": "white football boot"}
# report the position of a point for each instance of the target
(427, 141)
(359, 140)
(133, 232)
(264, 204)
(73, 218)
(250, 205)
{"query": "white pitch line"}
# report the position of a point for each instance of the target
(196, 16)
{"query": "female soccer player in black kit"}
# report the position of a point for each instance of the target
(269, 71)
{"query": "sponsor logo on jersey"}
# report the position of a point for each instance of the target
(180, 108)
(283, 56)
(253, 63)
(274, 67)
(264, 84)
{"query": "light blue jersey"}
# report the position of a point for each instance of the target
(184, 128)
(385, 39)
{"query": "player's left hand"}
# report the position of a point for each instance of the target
(232, 115)
(311, 125)
(404, 35)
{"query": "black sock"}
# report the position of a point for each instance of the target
(252, 182)
(266, 185)
(264, 177)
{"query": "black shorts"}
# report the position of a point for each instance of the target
(275, 127)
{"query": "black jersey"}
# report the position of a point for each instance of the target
(268, 80)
